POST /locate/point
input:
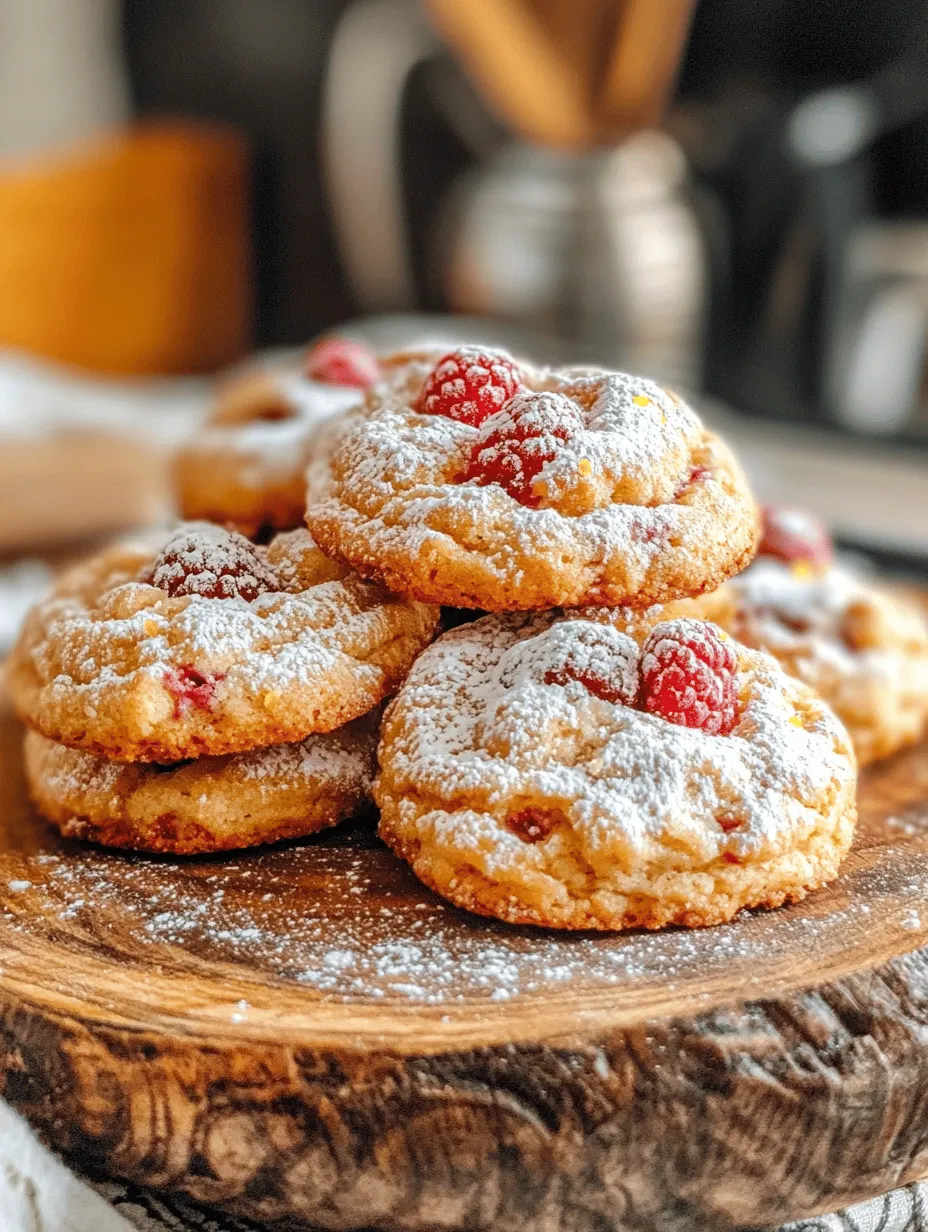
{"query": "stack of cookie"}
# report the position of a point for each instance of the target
(596, 752)
(619, 732)
(195, 692)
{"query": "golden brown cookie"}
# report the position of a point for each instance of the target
(475, 481)
(211, 804)
(547, 770)
(245, 467)
(197, 642)
(861, 647)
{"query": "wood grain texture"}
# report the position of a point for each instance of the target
(306, 1036)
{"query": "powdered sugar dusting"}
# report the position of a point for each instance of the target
(339, 918)
(103, 638)
(803, 615)
(342, 760)
(783, 602)
(207, 560)
(522, 445)
(470, 718)
(469, 384)
(626, 431)
(276, 445)
(621, 513)
(597, 656)
(689, 675)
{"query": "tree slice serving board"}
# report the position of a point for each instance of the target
(306, 1033)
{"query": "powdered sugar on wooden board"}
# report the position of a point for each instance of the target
(338, 917)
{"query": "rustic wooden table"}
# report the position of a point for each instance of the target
(306, 1031)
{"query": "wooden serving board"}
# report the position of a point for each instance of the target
(305, 1033)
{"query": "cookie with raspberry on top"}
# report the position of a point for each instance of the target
(196, 642)
(477, 481)
(551, 769)
(245, 467)
(860, 644)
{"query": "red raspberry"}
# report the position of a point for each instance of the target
(695, 475)
(190, 688)
(730, 822)
(688, 676)
(469, 384)
(533, 825)
(342, 361)
(794, 535)
(514, 446)
(600, 658)
(213, 563)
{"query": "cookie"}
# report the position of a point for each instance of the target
(861, 647)
(639, 621)
(245, 467)
(211, 804)
(197, 642)
(547, 770)
(475, 481)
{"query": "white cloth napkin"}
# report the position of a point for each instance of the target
(39, 1194)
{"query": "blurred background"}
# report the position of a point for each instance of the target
(729, 195)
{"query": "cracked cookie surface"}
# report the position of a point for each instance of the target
(210, 804)
(514, 791)
(196, 642)
(632, 500)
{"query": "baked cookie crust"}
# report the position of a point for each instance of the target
(208, 805)
(114, 664)
(633, 821)
(640, 506)
(245, 467)
(859, 645)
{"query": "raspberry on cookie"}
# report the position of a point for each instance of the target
(862, 647)
(547, 769)
(208, 805)
(245, 467)
(476, 481)
(689, 676)
(342, 361)
(469, 385)
(794, 535)
(197, 642)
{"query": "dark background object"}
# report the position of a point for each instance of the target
(262, 66)
(748, 63)
(259, 66)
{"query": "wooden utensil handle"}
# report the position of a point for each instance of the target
(518, 68)
(650, 39)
